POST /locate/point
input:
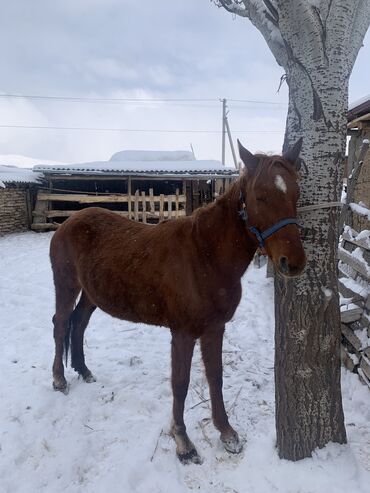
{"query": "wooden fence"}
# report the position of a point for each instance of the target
(354, 288)
(140, 206)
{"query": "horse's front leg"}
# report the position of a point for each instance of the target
(182, 351)
(211, 346)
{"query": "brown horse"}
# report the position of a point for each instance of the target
(183, 274)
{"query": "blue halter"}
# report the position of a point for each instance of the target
(263, 235)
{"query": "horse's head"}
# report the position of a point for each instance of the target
(269, 195)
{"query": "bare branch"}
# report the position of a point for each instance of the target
(264, 15)
(236, 7)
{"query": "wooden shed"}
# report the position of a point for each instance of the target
(358, 130)
(146, 186)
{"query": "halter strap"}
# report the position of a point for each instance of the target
(263, 235)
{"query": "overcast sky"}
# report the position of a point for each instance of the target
(147, 49)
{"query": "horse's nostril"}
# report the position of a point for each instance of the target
(284, 266)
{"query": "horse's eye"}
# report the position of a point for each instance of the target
(262, 199)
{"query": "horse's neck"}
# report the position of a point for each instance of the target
(222, 234)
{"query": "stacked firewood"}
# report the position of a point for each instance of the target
(354, 288)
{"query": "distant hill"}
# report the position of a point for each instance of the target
(23, 161)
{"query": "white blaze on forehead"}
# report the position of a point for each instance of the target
(280, 183)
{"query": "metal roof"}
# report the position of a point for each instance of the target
(176, 168)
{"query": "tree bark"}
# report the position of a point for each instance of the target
(309, 410)
(317, 44)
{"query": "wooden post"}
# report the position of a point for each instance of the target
(346, 213)
(161, 207)
(136, 207)
(129, 197)
(151, 198)
(177, 203)
(143, 198)
(169, 206)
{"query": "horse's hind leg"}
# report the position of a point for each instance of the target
(79, 320)
(66, 292)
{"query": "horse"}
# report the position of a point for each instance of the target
(184, 274)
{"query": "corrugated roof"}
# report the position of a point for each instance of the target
(359, 108)
(12, 174)
(139, 168)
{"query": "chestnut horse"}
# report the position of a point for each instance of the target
(183, 274)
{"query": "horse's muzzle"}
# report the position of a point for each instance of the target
(288, 269)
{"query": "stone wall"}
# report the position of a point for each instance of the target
(14, 210)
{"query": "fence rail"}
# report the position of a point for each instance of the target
(140, 206)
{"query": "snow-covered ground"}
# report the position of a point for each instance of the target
(113, 435)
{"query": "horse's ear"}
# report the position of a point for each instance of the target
(293, 153)
(250, 161)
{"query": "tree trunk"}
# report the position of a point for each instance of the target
(317, 44)
(309, 410)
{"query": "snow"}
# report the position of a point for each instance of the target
(358, 102)
(360, 209)
(280, 183)
(112, 435)
(132, 161)
(132, 167)
(152, 156)
(22, 161)
(364, 339)
(359, 286)
(12, 174)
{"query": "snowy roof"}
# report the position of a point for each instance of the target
(153, 156)
(152, 163)
(12, 174)
(359, 108)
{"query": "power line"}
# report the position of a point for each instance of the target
(135, 100)
(141, 130)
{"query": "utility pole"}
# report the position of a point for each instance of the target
(231, 142)
(223, 130)
(226, 128)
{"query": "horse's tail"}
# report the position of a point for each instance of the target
(67, 346)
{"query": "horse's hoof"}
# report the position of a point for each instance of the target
(191, 457)
(232, 443)
(89, 377)
(61, 385)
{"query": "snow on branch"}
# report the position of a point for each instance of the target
(264, 14)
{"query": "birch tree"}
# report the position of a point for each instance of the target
(316, 42)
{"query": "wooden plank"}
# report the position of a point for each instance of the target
(169, 206)
(41, 207)
(143, 200)
(351, 337)
(351, 315)
(350, 235)
(347, 360)
(177, 204)
(365, 366)
(58, 213)
(161, 207)
(151, 199)
(82, 198)
(44, 226)
(347, 292)
(85, 199)
(363, 377)
(136, 206)
(361, 267)
(129, 201)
